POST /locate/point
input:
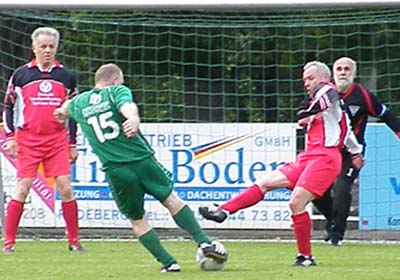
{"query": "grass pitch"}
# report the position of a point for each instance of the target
(50, 260)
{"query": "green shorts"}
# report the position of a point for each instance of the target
(130, 181)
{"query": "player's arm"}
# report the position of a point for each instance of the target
(324, 96)
(355, 149)
(303, 106)
(71, 124)
(353, 146)
(132, 120)
(391, 120)
(61, 113)
(379, 110)
(8, 117)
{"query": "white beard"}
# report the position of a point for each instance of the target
(342, 84)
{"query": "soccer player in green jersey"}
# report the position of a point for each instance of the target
(110, 120)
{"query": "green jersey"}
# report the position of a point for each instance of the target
(97, 113)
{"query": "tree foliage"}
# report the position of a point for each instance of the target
(224, 66)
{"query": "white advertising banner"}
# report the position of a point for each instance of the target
(210, 163)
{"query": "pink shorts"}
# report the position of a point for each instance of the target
(314, 171)
(50, 150)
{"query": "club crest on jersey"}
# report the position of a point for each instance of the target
(354, 109)
(45, 87)
(95, 99)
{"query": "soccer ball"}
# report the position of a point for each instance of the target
(209, 264)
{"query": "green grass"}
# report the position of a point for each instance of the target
(50, 260)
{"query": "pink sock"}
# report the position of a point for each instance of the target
(14, 213)
(70, 214)
(302, 232)
(247, 198)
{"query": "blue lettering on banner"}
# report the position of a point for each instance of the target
(209, 172)
(97, 214)
(395, 185)
(393, 221)
(90, 193)
(96, 193)
(169, 140)
(155, 216)
(283, 141)
(224, 194)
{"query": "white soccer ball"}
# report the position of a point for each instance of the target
(209, 264)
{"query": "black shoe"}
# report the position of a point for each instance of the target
(304, 261)
(215, 250)
(327, 237)
(336, 242)
(76, 248)
(213, 213)
(328, 231)
(336, 238)
(173, 267)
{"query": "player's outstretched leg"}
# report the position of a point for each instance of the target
(245, 199)
(214, 213)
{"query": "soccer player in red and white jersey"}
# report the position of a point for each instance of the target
(33, 135)
(327, 130)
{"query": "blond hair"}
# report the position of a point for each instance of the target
(107, 72)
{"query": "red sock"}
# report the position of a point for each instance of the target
(70, 213)
(14, 213)
(247, 198)
(302, 232)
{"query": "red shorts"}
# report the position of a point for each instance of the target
(50, 150)
(314, 170)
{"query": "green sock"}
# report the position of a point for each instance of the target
(152, 243)
(186, 220)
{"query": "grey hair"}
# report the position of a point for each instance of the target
(47, 31)
(322, 68)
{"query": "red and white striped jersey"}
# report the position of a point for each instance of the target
(328, 125)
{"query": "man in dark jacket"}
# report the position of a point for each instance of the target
(361, 104)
